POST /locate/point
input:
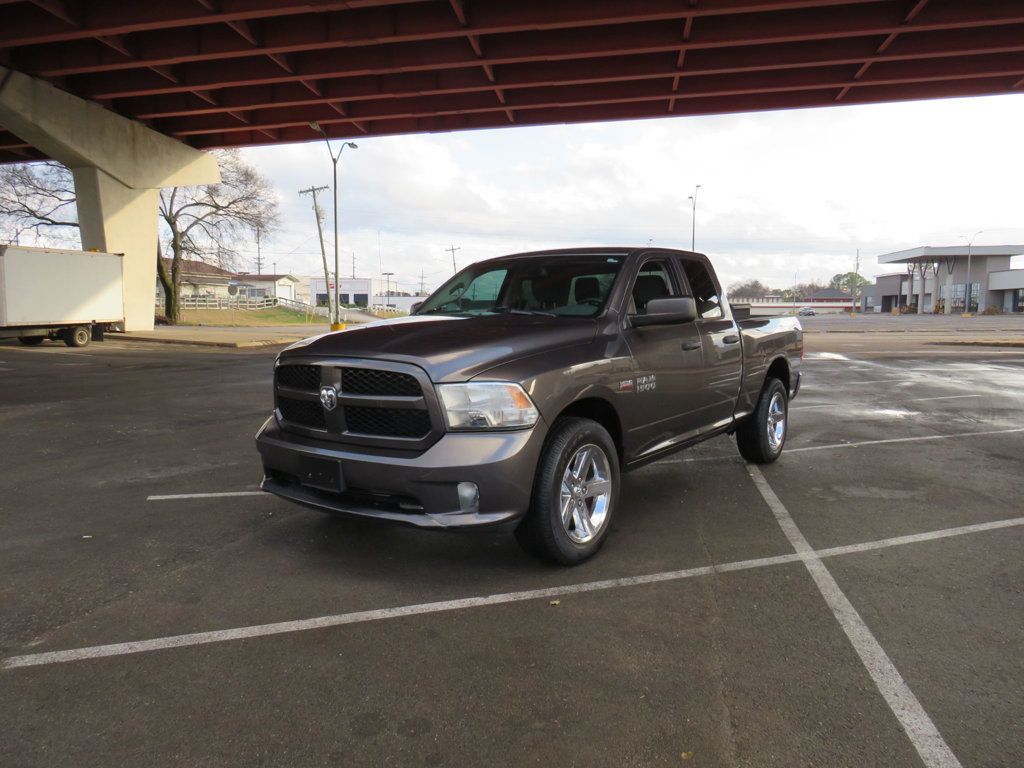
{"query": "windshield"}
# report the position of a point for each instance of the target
(562, 285)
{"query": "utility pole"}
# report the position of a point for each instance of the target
(259, 253)
(353, 265)
(387, 289)
(323, 252)
(422, 291)
(856, 287)
(452, 250)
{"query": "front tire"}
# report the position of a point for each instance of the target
(761, 437)
(574, 494)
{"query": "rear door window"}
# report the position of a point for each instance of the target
(705, 292)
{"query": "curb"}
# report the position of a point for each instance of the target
(202, 343)
(977, 343)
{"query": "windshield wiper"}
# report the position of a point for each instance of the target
(510, 311)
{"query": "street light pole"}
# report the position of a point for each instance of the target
(693, 224)
(970, 286)
(334, 161)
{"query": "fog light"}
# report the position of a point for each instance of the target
(469, 497)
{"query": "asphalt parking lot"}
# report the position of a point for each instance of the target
(239, 630)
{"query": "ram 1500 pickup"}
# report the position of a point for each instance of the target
(519, 391)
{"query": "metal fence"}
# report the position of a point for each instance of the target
(244, 303)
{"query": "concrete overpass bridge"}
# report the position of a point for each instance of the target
(128, 94)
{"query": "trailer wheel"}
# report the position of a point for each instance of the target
(78, 336)
(31, 341)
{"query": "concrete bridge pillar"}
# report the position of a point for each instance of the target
(119, 167)
(118, 219)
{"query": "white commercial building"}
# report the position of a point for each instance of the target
(935, 279)
(355, 291)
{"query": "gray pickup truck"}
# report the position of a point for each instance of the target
(519, 390)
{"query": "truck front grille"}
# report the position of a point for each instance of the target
(302, 413)
(372, 403)
(369, 381)
(391, 422)
(305, 377)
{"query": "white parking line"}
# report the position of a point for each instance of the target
(943, 397)
(908, 399)
(918, 438)
(923, 734)
(859, 444)
(170, 496)
(360, 617)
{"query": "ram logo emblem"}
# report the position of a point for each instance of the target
(329, 398)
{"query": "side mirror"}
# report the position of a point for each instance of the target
(415, 307)
(668, 311)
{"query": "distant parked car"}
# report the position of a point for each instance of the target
(806, 312)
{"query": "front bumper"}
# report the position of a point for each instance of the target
(418, 489)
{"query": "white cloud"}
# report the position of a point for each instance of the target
(785, 196)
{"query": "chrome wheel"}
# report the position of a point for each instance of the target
(585, 494)
(776, 421)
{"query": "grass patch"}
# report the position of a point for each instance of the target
(255, 318)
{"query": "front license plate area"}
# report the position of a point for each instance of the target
(321, 473)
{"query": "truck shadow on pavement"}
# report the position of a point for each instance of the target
(659, 525)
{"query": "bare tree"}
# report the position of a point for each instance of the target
(206, 222)
(213, 218)
(38, 199)
(749, 289)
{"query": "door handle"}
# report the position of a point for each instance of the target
(730, 339)
(689, 346)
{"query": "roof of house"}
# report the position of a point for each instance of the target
(265, 278)
(830, 293)
(196, 267)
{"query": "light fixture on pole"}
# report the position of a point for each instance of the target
(970, 286)
(693, 224)
(314, 125)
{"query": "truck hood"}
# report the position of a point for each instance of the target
(450, 348)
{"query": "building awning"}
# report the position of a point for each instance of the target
(929, 254)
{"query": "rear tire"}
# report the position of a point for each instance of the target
(762, 436)
(31, 341)
(78, 336)
(575, 493)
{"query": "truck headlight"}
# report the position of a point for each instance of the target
(486, 405)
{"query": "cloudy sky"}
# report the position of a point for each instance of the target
(785, 196)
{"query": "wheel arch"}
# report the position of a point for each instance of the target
(603, 412)
(778, 369)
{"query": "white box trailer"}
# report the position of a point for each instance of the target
(52, 293)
